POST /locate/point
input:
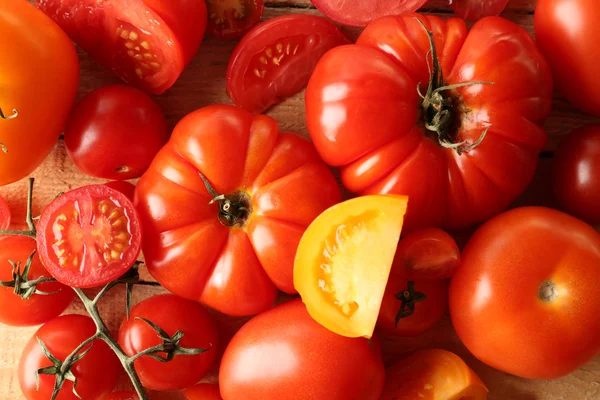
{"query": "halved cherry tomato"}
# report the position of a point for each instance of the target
(89, 236)
(432, 375)
(203, 391)
(361, 12)
(147, 43)
(344, 260)
(276, 58)
(428, 253)
(473, 10)
(233, 18)
(4, 214)
(127, 188)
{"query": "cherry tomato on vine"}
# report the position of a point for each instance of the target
(114, 132)
(96, 372)
(172, 314)
(127, 188)
(147, 43)
(37, 309)
(4, 214)
(203, 391)
(473, 10)
(89, 236)
(360, 12)
(275, 59)
(233, 18)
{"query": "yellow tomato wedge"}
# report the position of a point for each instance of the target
(343, 262)
(433, 375)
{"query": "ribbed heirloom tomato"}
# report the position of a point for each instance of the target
(223, 207)
(462, 154)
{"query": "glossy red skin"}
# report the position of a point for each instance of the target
(568, 33)
(127, 188)
(114, 132)
(232, 26)
(4, 214)
(177, 28)
(96, 373)
(284, 354)
(496, 291)
(203, 391)
(237, 271)
(36, 310)
(86, 199)
(576, 174)
(363, 114)
(122, 395)
(361, 13)
(172, 314)
(473, 10)
(428, 253)
(291, 72)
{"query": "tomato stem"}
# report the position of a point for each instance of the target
(408, 298)
(32, 232)
(15, 114)
(234, 208)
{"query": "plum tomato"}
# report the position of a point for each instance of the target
(233, 18)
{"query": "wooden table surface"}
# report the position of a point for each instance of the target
(203, 83)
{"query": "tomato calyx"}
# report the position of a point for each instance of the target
(548, 291)
(408, 298)
(234, 208)
(24, 287)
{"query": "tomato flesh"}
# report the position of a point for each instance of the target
(233, 18)
(361, 12)
(89, 236)
(4, 214)
(473, 10)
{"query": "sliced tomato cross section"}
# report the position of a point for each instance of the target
(233, 18)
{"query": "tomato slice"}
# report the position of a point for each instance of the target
(362, 12)
(473, 10)
(89, 236)
(127, 188)
(4, 214)
(344, 259)
(146, 43)
(275, 59)
(233, 18)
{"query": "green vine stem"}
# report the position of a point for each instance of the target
(32, 232)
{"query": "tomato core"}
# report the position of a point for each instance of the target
(548, 291)
(234, 209)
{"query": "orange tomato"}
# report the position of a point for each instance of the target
(344, 260)
(432, 375)
(39, 75)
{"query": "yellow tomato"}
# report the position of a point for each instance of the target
(343, 262)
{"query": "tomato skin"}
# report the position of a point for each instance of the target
(232, 26)
(122, 395)
(236, 270)
(371, 128)
(497, 289)
(361, 13)
(114, 132)
(203, 391)
(473, 10)
(284, 354)
(567, 32)
(97, 372)
(127, 188)
(576, 173)
(172, 314)
(14, 310)
(42, 97)
(4, 214)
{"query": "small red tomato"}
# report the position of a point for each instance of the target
(172, 314)
(203, 391)
(576, 174)
(233, 18)
(4, 214)
(127, 188)
(114, 132)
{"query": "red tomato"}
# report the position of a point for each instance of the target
(89, 236)
(529, 279)
(428, 253)
(147, 43)
(473, 10)
(233, 18)
(274, 184)
(576, 173)
(96, 372)
(284, 354)
(203, 391)
(172, 314)
(568, 33)
(364, 114)
(275, 59)
(360, 12)
(4, 214)
(123, 395)
(114, 132)
(127, 188)
(16, 311)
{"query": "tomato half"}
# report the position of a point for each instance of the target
(529, 278)
(233, 18)
(568, 33)
(16, 311)
(431, 375)
(114, 132)
(89, 236)
(127, 188)
(4, 214)
(360, 12)
(34, 102)
(365, 115)
(473, 10)
(284, 354)
(231, 252)
(275, 59)
(96, 372)
(172, 314)
(344, 260)
(203, 391)
(147, 43)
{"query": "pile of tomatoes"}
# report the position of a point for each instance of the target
(433, 128)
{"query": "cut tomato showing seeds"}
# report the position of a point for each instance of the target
(89, 236)
(233, 18)
(344, 259)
